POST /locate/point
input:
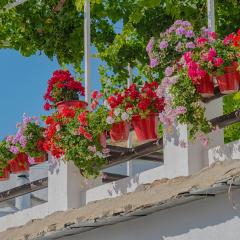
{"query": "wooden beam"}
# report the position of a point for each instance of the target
(135, 153)
(227, 119)
(110, 177)
(24, 189)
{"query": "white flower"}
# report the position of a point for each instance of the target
(129, 111)
(105, 103)
(116, 111)
(99, 154)
(125, 116)
(110, 120)
(58, 128)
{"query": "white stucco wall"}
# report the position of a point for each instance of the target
(210, 219)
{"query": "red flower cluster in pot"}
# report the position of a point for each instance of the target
(213, 58)
(138, 106)
(5, 174)
(228, 77)
(63, 91)
(19, 163)
(148, 106)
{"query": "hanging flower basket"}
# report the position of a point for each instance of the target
(5, 174)
(229, 82)
(119, 132)
(19, 163)
(41, 159)
(145, 128)
(71, 104)
(206, 88)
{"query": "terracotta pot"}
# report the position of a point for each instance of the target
(72, 103)
(103, 140)
(119, 132)
(19, 163)
(5, 175)
(145, 129)
(206, 87)
(228, 82)
(38, 160)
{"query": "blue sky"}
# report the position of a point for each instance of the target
(23, 84)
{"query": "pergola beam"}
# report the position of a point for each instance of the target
(14, 4)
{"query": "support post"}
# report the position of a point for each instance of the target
(129, 143)
(182, 157)
(87, 50)
(211, 14)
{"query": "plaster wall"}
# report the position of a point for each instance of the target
(212, 219)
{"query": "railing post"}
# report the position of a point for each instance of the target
(129, 143)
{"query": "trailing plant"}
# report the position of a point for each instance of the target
(75, 135)
(169, 47)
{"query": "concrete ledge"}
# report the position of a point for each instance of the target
(22, 217)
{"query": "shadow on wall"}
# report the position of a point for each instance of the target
(225, 152)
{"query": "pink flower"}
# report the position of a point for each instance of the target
(211, 54)
(187, 57)
(201, 41)
(217, 62)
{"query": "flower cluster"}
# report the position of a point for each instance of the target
(5, 156)
(62, 87)
(170, 113)
(18, 142)
(134, 101)
(74, 134)
(171, 44)
(210, 56)
(28, 139)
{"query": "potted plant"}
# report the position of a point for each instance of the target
(74, 134)
(5, 157)
(146, 106)
(169, 47)
(227, 75)
(63, 91)
(16, 144)
(119, 116)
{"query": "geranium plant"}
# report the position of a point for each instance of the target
(5, 157)
(62, 87)
(74, 134)
(138, 105)
(169, 47)
(28, 139)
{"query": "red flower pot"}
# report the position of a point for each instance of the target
(103, 140)
(119, 132)
(5, 175)
(229, 81)
(38, 160)
(19, 163)
(145, 129)
(206, 88)
(72, 103)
